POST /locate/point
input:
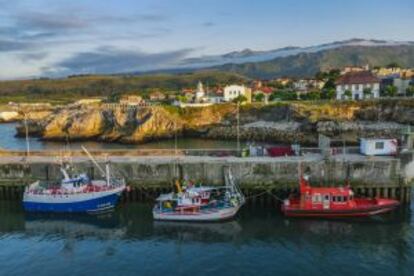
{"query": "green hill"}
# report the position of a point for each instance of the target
(72, 88)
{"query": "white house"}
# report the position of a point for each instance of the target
(356, 83)
(371, 146)
(233, 91)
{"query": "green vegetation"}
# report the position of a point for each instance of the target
(391, 91)
(259, 97)
(312, 96)
(367, 92)
(410, 91)
(348, 94)
(283, 96)
(77, 87)
(240, 99)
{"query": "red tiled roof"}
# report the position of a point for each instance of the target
(362, 77)
(267, 90)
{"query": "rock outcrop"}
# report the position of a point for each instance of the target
(287, 123)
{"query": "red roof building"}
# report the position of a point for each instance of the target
(354, 85)
(362, 77)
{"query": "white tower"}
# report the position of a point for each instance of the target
(200, 91)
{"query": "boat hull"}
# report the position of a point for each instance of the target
(332, 213)
(87, 204)
(210, 214)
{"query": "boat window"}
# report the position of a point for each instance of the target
(345, 198)
(316, 198)
(326, 197)
(334, 198)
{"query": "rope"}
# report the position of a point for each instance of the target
(265, 192)
(275, 196)
(256, 195)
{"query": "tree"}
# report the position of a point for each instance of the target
(391, 91)
(328, 94)
(240, 99)
(312, 96)
(259, 97)
(410, 91)
(348, 94)
(283, 96)
(182, 99)
(114, 97)
(367, 92)
(393, 65)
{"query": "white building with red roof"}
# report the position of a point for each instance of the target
(356, 83)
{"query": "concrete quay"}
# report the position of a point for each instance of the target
(258, 176)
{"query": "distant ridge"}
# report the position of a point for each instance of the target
(300, 61)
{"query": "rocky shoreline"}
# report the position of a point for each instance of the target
(284, 123)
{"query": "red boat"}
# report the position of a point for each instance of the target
(334, 202)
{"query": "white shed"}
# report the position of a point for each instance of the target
(374, 146)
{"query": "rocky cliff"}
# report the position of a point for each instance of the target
(296, 122)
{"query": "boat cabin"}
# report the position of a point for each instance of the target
(325, 197)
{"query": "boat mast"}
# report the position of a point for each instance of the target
(27, 136)
(238, 127)
(94, 161)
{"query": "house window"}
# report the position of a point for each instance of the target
(357, 87)
(379, 145)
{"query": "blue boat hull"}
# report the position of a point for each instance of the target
(88, 206)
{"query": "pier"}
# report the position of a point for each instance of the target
(264, 180)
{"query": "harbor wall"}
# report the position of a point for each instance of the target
(266, 177)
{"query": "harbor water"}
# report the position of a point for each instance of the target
(129, 242)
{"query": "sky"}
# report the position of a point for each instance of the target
(50, 38)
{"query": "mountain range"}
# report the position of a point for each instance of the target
(303, 61)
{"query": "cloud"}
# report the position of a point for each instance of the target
(106, 60)
(35, 56)
(10, 45)
(49, 21)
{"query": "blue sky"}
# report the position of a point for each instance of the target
(59, 37)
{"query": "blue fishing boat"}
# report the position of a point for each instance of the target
(76, 194)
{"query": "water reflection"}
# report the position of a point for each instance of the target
(257, 237)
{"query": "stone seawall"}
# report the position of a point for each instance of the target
(368, 176)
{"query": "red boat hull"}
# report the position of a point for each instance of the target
(340, 213)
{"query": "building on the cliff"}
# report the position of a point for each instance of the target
(131, 100)
(157, 96)
(231, 92)
(353, 69)
(90, 101)
(394, 72)
(352, 85)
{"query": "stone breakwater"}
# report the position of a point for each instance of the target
(382, 176)
(286, 123)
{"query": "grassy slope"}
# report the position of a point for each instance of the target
(70, 89)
